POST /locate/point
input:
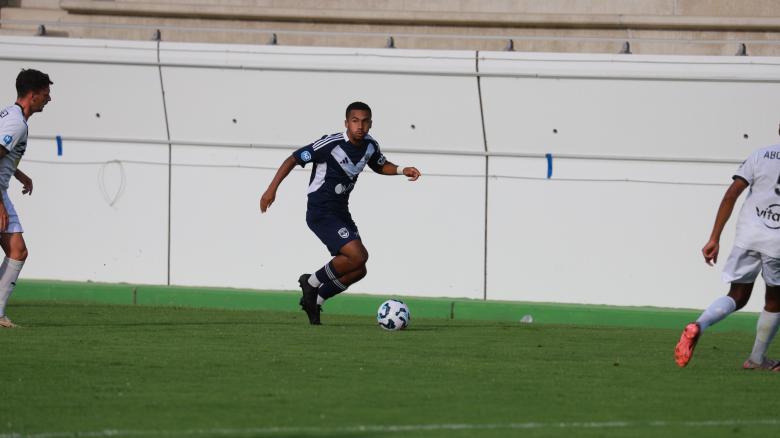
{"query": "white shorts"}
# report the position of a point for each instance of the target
(743, 266)
(14, 226)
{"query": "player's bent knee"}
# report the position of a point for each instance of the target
(357, 256)
(740, 293)
(362, 255)
(20, 255)
(739, 300)
(358, 275)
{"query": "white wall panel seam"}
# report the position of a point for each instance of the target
(170, 159)
(486, 182)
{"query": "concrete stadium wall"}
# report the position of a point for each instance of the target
(642, 149)
(683, 27)
(590, 227)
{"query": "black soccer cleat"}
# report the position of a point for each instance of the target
(308, 300)
(316, 317)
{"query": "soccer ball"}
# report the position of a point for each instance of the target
(393, 315)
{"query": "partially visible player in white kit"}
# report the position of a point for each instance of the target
(756, 249)
(32, 91)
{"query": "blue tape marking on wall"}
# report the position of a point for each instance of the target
(549, 165)
(59, 146)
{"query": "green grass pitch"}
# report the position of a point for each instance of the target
(101, 370)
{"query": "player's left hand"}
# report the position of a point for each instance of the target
(267, 199)
(710, 252)
(27, 183)
(411, 173)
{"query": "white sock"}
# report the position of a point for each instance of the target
(9, 273)
(719, 309)
(314, 281)
(320, 300)
(765, 331)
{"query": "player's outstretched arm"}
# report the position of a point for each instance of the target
(270, 193)
(27, 183)
(712, 247)
(411, 173)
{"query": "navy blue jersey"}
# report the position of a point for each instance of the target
(337, 164)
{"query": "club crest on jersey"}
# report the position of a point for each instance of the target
(7, 140)
(770, 216)
(306, 156)
(344, 233)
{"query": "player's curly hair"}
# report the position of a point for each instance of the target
(31, 80)
(360, 106)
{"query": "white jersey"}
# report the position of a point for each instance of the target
(758, 226)
(13, 137)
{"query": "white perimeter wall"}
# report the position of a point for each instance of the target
(643, 148)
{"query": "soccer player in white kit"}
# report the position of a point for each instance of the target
(756, 249)
(33, 93)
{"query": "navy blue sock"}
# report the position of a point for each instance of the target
(331, 289)
(327, 273)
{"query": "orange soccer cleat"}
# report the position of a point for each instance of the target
(684, 349)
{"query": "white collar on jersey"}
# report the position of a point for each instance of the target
(367, 138)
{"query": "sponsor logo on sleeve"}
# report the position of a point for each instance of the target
(382, 160)
(344, 233)
(306, 156)
(770, 216)
(8, 139)
(772, 155)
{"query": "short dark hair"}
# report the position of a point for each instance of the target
(360, 106)
(31, 80)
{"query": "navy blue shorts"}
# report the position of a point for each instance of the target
(334, 230)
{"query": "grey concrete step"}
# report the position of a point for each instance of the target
(31, 15)
(16, 32)
(38, 4)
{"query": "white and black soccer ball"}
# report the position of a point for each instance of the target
(393, 315)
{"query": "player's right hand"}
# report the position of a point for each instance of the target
(267, 199)
(710, 252)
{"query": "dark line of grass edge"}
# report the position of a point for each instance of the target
(360, 304)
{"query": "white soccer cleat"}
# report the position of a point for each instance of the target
(6, 323)
(766, 365)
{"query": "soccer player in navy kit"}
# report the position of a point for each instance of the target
(338, 159)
